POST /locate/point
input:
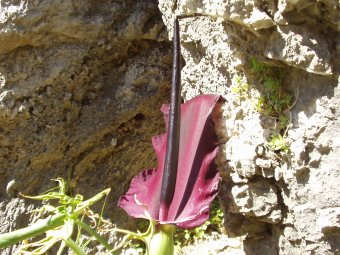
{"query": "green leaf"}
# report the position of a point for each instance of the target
(278, 142)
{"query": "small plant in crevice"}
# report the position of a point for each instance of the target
(275, 102)
(257, 67)
(277, 142)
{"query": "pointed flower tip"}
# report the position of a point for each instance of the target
(197, 177)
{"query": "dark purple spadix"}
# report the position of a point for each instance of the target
(172, 150)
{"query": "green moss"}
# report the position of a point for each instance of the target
(275, 102)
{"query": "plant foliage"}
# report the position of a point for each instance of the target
(274, 102)
(59, 223)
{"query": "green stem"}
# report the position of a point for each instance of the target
(75, 247)
(91, 201)
(127, 232)
(162, 242)
(93, 233)
(36, 229)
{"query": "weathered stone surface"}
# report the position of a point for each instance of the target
(13, 215)
(257, 199)
(246, 13)
(314, 13)
(243, 155)
(329, 219)
(263, 163)
(217, 244)
(299, 47)
(303, 43)
(81, 84)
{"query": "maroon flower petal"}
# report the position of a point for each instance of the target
(197, 176)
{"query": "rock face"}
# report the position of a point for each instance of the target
(81, 84)
(299, 47)
(275, 202)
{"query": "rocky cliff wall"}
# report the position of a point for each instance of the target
(275, 202)
(81, 87)
(81, 83)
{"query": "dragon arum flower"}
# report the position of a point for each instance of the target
(179, 191)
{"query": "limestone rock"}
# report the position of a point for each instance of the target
(77, 78)
(243, 157)
(49, 64)
(297, 46)
(13, 214)
(257, 199)
(263, 163)
(289, 5)
(217, 245)
(217, 47)
(329, 219)
(259, 20)
(314, 13)
(243, 12)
